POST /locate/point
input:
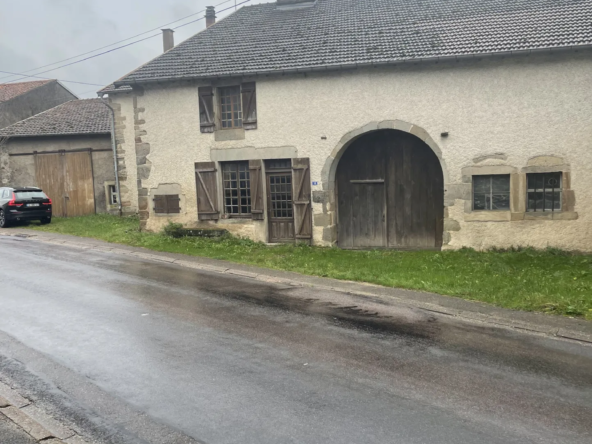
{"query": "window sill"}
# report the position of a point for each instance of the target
(222, 135)
(488, 216)
(507, 216)
(551, 215)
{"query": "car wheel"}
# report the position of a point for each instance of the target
(3, 221)
(46, 220)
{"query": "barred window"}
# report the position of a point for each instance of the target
(544, 192)
(237, 188)
(491, 192)
(231, 113)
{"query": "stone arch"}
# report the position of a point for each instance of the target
(330, 167)
(329, 172)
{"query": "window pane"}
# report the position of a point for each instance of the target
(553, 180)
(500, 184)
(535, 181)
(479, 202)
(500, 202)
(482, 184)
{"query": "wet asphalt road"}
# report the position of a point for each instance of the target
(224, 359)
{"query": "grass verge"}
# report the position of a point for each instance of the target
(550, 281)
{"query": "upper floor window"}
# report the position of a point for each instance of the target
(237, 188)
(231, 113)
(236, 107)
(491, 192)
(544, 191)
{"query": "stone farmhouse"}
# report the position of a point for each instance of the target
(369, 124)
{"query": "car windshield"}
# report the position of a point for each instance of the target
(33, 194)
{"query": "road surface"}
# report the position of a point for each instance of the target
(138, 351)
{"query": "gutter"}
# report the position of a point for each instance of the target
(343, 66)
(114, 147)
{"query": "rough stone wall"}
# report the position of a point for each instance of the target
(124, 134)
(502, 112)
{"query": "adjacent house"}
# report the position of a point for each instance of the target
(19, 101)
(67, 152)
(369, 124)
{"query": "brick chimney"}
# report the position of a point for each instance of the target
(210, 16)
(168, 40)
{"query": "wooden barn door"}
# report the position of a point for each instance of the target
(361, 195)
(390, 193)
(368, 212)
(67, 178)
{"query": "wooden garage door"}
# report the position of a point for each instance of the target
(67, 178)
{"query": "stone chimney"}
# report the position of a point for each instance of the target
(168, 40)
(210, 16)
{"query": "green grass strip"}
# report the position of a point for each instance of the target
(550, 281)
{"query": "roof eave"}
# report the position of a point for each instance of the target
(338, 67)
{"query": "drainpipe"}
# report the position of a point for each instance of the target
(114, 147)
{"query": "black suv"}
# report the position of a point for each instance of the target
(26, 203)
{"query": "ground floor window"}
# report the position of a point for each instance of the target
(544, 192)
(237, 189)
(491, 192)
(112, 195)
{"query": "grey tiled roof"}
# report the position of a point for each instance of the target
(260, 38)
(88, 116)
(112, 88)
(9, 91)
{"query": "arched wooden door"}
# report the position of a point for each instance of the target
(390, 193)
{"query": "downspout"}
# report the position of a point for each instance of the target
(114, 147)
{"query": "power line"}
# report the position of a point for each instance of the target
(47, 78)
(122, 46)
(115, 43)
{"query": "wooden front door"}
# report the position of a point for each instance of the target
(280, 207)
(390, 193)
(67, 178)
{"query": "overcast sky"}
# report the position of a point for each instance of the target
(34, 33)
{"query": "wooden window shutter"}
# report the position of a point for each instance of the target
(256, 189)
(159, 204)
(206, 109)
(172, 203)
(207, 191)
(302, 197)
(249, 93)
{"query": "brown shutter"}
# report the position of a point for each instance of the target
(159, 204)
(206, 109)
(249, 99)
(302, 192)
(172, 203)
(256, 189)
(207, 191)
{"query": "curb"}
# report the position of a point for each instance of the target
(40, 426)
(345, 287)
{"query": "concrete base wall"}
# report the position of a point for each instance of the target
(482, 113)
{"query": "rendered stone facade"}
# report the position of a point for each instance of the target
(511, 115)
